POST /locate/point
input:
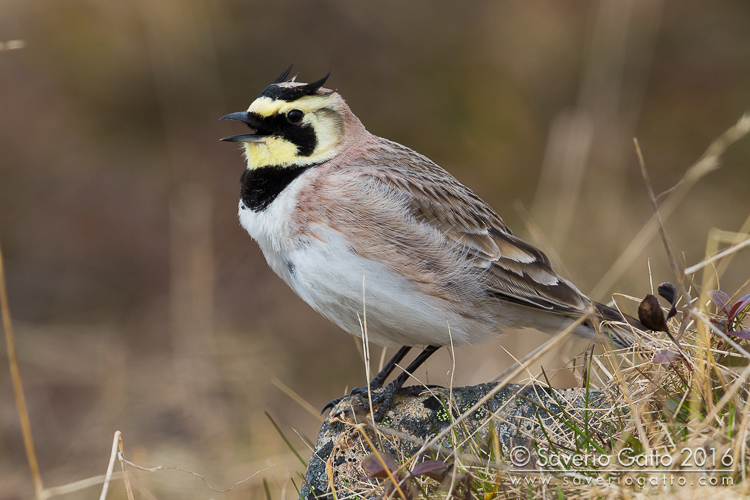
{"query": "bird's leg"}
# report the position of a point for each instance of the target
(379, 379)
(385, 397)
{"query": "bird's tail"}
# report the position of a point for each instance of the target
(618, 327)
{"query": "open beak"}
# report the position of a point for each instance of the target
(241, 117)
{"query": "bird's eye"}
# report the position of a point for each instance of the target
(295, 116)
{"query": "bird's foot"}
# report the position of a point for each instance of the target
(357, 391)
(381, 399)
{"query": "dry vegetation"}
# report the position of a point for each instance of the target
(139, 304)
(679, 414)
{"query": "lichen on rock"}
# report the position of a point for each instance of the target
(420, 414)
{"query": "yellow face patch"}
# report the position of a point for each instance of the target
(272, 151)
(321, 113)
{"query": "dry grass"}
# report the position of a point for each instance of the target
(696, 401)
(693, 408)
(684, 411)
(687, 419)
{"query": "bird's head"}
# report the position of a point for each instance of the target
(293, 124)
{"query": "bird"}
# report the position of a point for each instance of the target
(351, 220)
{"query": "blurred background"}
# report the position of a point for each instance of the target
(139, 303)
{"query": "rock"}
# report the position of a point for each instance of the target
(419, 414)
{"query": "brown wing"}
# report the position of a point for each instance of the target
(515, 270)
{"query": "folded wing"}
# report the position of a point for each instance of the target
(515, 271)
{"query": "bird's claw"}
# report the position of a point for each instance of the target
(357, 391)
(381, 399)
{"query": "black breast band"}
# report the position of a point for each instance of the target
(260, 186)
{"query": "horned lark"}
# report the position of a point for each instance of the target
(345, 218)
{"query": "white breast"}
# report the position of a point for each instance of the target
(331, 278)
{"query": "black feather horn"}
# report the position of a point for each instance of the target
(284, 75)
(293, 92)
(311, 88)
